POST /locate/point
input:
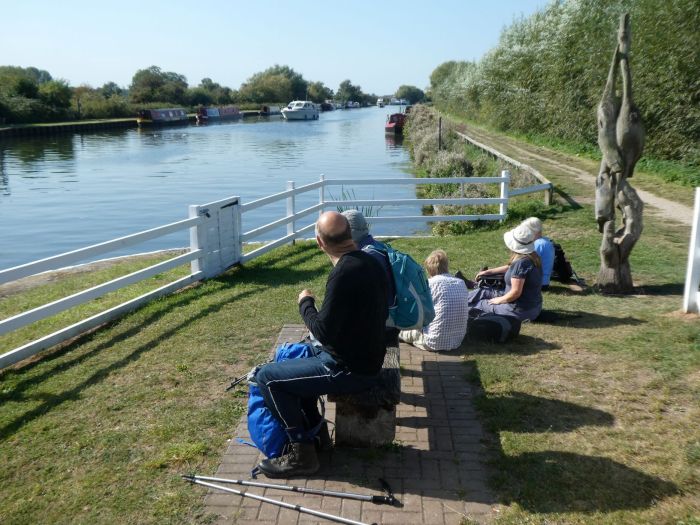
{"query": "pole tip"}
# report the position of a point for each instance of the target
(187, 477)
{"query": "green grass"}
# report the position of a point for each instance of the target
(593, 416)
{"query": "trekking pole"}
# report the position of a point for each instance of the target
(236, 381)
(389, 499)
(298, 508)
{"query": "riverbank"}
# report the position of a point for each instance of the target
(53, 128)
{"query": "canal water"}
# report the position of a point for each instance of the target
(65, 192)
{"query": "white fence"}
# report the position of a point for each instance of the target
(692, 277)
(545, 185)
(216, 244)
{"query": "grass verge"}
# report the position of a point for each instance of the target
(594, 414)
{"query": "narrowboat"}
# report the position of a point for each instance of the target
(394, 123)
(205, 115)
(161, 117)
(266, 111)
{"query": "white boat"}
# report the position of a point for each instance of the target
(380, 102)
(300, 110)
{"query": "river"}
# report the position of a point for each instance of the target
(65, 192)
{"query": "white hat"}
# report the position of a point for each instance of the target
(358, 224)
(534, 224)
(520, 239)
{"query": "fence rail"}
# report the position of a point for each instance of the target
(216, 244)
(546, 186)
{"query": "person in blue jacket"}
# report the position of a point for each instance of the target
(544, 248)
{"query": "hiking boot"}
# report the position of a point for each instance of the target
(300, 459)
(323, 439)
(470, 284)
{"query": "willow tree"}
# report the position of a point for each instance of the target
(621, 140)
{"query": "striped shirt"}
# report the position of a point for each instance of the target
(450, 324)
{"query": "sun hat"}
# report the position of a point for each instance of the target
(520, 239)
(358, 224)
(534, 224)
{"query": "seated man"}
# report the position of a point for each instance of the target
(360, 234)
(544, 248)
(449, 293)
(350, 327)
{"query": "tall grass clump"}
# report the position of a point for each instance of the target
(547, 73)
(451, 156)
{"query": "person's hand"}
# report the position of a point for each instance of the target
(305, 293)
(497, 300)
(481, 274)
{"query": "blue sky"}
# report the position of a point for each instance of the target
(376, 45)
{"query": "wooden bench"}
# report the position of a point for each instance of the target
(365, 419)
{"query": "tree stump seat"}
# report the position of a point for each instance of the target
(368, 418)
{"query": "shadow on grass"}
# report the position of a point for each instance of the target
(568, 198)
(582, 319)
(557, 481)
(521, 345)
(520, 412)
(661, 289)
(51, 401)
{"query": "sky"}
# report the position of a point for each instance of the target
(378, 46)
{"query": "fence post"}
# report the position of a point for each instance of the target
(692, 276)
(322, 193)
(229, 235)
(503, 209)
(198, 239)
(291, 227)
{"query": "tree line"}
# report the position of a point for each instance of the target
(547, 74)
(32, 95)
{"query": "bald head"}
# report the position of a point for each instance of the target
(333, 229)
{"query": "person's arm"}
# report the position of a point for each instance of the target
(492, 271)
(516, 290)
(323, 323)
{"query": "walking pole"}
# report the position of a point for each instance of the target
(389, 499)
(298, 508)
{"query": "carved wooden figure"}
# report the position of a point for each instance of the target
(621, 140)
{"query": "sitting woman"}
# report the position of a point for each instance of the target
(522, 297)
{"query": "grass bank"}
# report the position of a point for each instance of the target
(593, 415)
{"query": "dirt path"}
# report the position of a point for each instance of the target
(548, 161)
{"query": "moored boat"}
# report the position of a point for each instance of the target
(394, 123)
(300, 110)
(161, 117)
(266, 111)
(205, 115)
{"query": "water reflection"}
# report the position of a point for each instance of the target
(74, 190)
(34, 150)
(4, 178)
(393, 141)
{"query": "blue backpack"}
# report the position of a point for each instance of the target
(413, 305)
(265, 430)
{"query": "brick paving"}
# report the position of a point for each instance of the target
(436, 468)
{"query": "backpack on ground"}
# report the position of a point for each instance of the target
(493, 328)
(413, 305)
(265, 430)
(562, 270)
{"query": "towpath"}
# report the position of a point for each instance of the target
(552, 163)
